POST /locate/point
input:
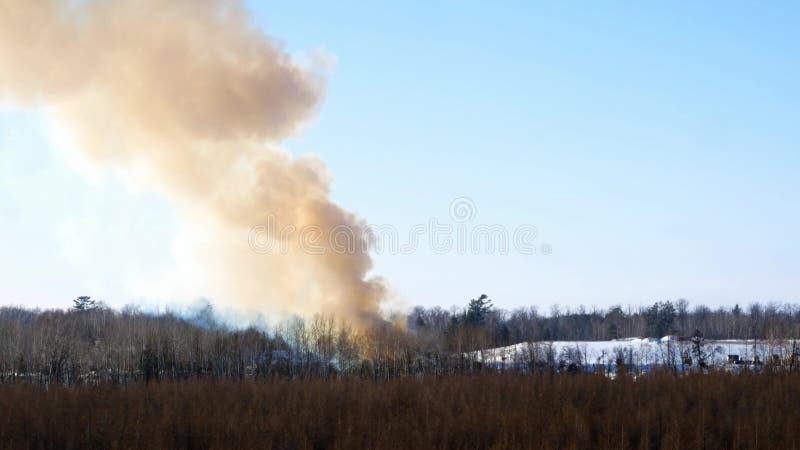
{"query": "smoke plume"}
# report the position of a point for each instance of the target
(189, 96)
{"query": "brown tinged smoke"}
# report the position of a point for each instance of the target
(188, 97)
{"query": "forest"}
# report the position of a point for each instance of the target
(91, 344)
(661, 318)
(94, 377)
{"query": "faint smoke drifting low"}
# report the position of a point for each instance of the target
(189, 97)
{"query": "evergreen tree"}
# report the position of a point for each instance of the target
(660, 318)
(83, 303)
(697, 349)
(478, 310)
(613, 331)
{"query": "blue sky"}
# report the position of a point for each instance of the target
(654, 146)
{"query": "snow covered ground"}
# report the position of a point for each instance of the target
(643, 353)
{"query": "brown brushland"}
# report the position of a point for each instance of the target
(716, 410)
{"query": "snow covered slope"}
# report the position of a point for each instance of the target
(640, 352)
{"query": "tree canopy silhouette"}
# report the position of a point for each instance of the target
(84, 303)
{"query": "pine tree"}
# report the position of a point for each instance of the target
(83, 303)
(697, 349)
(478, 310)
(613, 331)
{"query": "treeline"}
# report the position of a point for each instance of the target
(91, 344)
(96, 345)
(496, 328)
(717, 410)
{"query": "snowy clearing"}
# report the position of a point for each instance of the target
(642, 353)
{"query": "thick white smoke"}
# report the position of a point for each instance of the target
(190, 96)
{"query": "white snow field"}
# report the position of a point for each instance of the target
(642, 353)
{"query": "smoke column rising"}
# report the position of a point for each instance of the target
(190, 97)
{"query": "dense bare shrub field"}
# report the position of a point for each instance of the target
(98, 378)
(661, 410)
